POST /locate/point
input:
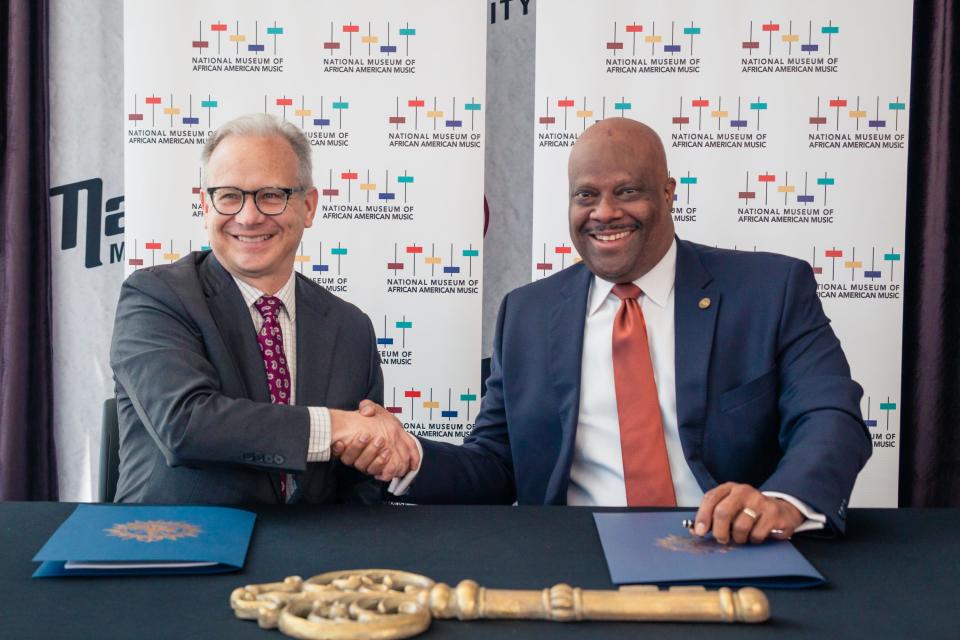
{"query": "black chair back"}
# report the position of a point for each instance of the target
(109, 451)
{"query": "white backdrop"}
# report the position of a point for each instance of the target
(785, 125)
(861, 223)
(392, 98)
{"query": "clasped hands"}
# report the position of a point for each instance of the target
(373, 441)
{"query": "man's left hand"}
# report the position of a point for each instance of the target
(728, 512)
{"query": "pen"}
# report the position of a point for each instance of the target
(688, 524)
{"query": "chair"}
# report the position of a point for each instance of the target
(109, 451)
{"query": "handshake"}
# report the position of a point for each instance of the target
(373, 441)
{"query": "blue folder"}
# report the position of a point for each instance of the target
(654, 548)
(141, 540)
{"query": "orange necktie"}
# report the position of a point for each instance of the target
(646, 470)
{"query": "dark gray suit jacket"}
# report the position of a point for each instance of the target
(196, 422)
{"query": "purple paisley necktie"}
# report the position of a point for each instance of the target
(271, 348)
(270, 339)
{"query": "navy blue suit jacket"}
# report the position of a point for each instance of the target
(764, 394)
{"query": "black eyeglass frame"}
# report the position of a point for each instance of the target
(287, 192)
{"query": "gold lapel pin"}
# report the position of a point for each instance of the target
(704, 303)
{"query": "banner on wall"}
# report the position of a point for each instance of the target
(87, 211)
(785, 126)
(391, 97)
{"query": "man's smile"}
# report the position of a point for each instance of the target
(609, 233)
(252, 239)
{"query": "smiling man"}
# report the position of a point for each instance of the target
(659, 372)
(233, 373)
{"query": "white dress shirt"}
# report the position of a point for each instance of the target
(318, 447)
(596, 474)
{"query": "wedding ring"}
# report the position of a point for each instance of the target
(750, 512)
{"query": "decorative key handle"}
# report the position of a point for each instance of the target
(382, 604)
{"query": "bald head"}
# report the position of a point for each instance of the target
(622, 136)
(621, 197)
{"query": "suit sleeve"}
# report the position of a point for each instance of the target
(824, 440)
(160, 362)
(480, 471)
(353, 486)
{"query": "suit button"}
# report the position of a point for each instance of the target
(278, 459)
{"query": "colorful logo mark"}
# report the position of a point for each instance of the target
(174, 111)
(377, 44)
(417, 400)
(785, 36)
(581, 111)
(407, 112)
(886, 407)
(684, 184)
(635, 31)
(561, 253)
(340, 186)
(849, 261)
(452, 268)
(152, 248)
(411, 251)
(714, 109)
(386, 340)
(238, 38)
(767, 180)
(321, 117)
(885, 113)
(321, 267)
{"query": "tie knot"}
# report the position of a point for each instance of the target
(268, 306)
(626, 291)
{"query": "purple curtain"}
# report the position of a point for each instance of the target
(930, 447)
(27, 460)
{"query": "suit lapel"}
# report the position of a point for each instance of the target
(316, 340)
(233, 319)
(232, 316)
(697, 302)
(567, 320)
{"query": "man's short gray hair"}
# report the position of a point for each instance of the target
(263, 125)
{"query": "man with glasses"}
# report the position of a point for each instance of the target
(233, 373)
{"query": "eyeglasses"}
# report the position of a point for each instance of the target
(270, 201)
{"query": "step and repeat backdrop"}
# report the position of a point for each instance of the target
(785, 126)
(391, 96)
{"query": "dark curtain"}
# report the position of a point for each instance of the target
(27, 460)
(930, 447)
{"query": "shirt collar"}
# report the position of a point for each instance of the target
(287, 294)
(656, 284)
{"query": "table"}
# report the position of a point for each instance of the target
(895, 575)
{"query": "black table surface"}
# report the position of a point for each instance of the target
(896, 574)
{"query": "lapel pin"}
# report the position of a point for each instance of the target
(704, 303)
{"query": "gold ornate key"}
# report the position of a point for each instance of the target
(384, 604)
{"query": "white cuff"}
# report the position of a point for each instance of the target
(814, 521)
(318, 447)
(400, 486)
